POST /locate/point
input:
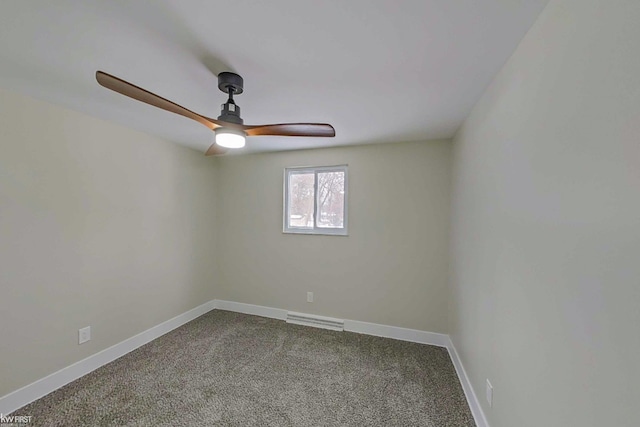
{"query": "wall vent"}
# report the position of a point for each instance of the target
(315, 321)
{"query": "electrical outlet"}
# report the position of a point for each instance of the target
(489, 394)
(84, 335)
(309, 296)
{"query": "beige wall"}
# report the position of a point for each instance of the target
(99, 226)
(112, 228)
(546, 224)
(392, 267)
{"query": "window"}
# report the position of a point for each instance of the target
(315, 200)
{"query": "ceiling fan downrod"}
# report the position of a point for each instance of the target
(230, 83)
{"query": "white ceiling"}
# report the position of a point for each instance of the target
(378, 70)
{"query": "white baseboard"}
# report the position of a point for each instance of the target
(472, 398)
(25, 395)
(397, 333)
(404, 334)
(256, 310)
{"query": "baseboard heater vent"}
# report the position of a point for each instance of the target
(315, 321)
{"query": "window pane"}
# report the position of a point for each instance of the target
(331, 199)
(301, 200)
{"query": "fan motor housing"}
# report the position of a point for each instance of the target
(230, 113)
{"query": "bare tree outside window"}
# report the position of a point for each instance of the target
(331, 199)
(301, 200)
(315, 200)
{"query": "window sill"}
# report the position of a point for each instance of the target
(316, 233)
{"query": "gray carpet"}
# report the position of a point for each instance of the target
(230, 369)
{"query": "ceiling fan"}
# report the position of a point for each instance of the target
(230, 131)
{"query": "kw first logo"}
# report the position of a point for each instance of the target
(15, 419)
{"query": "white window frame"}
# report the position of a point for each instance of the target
(315, 230)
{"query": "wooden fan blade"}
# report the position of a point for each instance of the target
(292, 129)
(135, 92)
(215, 150)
